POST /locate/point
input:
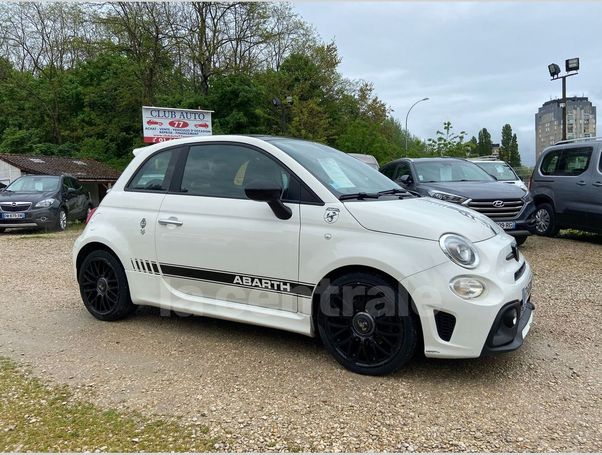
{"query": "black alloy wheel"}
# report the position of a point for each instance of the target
(103, 287)
(366, 324)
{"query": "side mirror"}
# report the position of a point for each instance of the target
(405, 179)
(270, 193)
(71, 191)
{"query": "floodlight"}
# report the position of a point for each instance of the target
(572, 64)
(554, 69)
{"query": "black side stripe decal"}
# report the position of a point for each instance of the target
(245, 281)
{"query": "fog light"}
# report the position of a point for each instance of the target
(510, 318)
(467, 288)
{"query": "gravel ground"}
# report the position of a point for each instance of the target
(262, 389)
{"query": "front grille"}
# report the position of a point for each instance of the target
(446, 323)
(15, 206)
(497, 208)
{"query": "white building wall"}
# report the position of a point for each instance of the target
(8, 172)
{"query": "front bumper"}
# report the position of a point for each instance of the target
(524, 223)
(43, 217)
(457, 328)
(505, 336)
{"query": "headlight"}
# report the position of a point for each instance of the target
(45, 203)
(527, 197)
(448, 197)
(467, 287)
(460, 250)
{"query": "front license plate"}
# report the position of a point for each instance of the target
(13, 216)
(506, 225)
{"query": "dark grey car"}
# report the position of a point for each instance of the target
(463, 182)
(566, 185)
(43, 201)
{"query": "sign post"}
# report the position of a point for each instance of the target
(161, 124)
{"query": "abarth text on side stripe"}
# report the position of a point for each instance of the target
(298, 236)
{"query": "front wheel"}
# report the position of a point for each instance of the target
(545, 220)
(365, 323)
(104, 288)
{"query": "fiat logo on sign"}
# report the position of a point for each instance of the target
(498, 203)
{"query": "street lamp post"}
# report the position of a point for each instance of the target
(407, 115)
(572, 67)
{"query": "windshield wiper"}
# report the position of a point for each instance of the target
(363, 195)
(392, 191)
(359, 196)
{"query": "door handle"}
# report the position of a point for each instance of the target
(171, 221)
(581, 183)
(597, 183)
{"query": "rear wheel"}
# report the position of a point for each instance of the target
(104, 288)
(545, 220)
(84, 217)
(61, 220)
(365, 324)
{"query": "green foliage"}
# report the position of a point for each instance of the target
(259, 67)
(448, 143)
(484, 143)
(514, 155)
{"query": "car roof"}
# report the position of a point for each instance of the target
(427, 159)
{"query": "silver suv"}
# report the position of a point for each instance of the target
(567, 187)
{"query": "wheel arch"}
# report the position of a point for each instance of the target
(90, 247)
(344, 270)
(544, 199)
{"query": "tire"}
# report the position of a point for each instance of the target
(104, 288)
(365, 323)
(61, 220)
(520, 239)
(545, 220)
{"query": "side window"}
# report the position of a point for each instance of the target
(224, 170)
(403, 169)
(76, 184)
(154, 174)
(388, 171)
(550, 162)
(574, 161)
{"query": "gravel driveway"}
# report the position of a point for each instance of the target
(262, 389)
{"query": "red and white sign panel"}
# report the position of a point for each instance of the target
(161, 124)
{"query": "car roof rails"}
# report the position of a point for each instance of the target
(579, 139)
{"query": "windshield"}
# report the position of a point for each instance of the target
(339, 172)
(500, 171)
(450, 171)
(34, 184)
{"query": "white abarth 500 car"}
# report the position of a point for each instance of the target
(301, 237)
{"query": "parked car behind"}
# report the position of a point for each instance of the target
(368, 159)
(501, 171)
(567, 187)
(43, 201)
(462, 182)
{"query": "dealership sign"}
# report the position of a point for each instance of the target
(162, 124)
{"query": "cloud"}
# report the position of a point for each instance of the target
(483, 64)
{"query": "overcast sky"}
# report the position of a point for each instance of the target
(483, 64)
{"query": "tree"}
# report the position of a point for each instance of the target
(448, 143)
(505, 148)
(514, 155)
(484, 144)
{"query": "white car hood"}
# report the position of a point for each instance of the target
(423, 217)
